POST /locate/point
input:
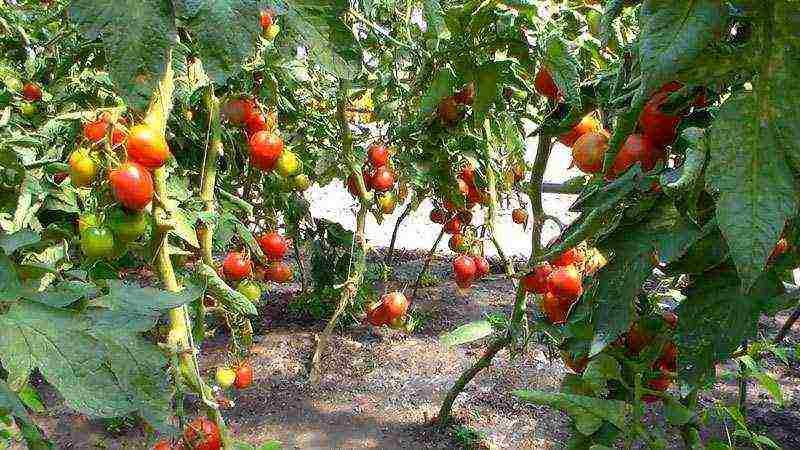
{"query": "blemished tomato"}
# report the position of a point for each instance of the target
(265, 149)
(565, 283)
(279, 272)
(544, 84)
(147, 147)
(586, 125)
(301, 182)
(288, 163)
(438, 216)
(132, 185)
(82, 168)
(237, 266)
(568, 258)
(237, 111)
(464, 270)
(32, 92)
(519, 216)
(387, 202)
(536, 281)
(657, 125)
(273, 245)
(589, 150)
(378, 155)
(250, 290)
(97, 242)
(481, 266)
(396, 304)
(466, 95)
(266, 19)
(636, 149)
(225, 377)
(448, 111)
(382, 179)
(244, 375)
(453, 226)
(126, 226)
(555, 308)
(202, 434)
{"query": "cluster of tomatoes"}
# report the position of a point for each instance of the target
(238, 266)
(663, 369)
(380, 177)
(239, 376)
(449, 110)
(390, 310)
(201, 434)
(559, 282)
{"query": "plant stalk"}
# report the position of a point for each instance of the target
(427, 264)
(491, 181)
(390, 254)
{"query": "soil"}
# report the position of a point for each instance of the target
(381, 387)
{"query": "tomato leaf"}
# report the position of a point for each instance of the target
(442, 85)
(144, 301)
(564, 68)
(467, 333)
(589, 412)
(23, 238)
(485, 91)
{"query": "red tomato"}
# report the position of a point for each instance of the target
(636, 149)
(237, 266)
(657, 125)
(279, 272)
(536, 281)
(779, 249)
(378, 155)
(576, 365)
(656, 384)
(382, 179)
(396, 304)
(273, 245)
(266, 19)
(565, 283)
(265, 149)
(464, 269)
(465, 217)
(255, 123)
(438, 216)
(244, 375)
(668, 361)
(453, 226)
(95, 131)
(586, 125)
(132, 185)
(237, 111)
(378, 316)
(466, 95)
(544, 84)
(147, 147)
(589, 150)
(163, 445)
(569, 257)
(556, 309)
(519, 215)
(637, 339)
(467, 174)
(481, 266)
(202, 434)
(32, 92)
(448, 111)
(449, 206)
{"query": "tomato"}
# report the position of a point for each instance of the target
(273, 245)
(453, 226)
(465, 217)
(237, 266)
(255, 123)
(237, 111)
(272, 31)
(589, 150)
(225, 377)
(378, 155)
(467, 173)
(544, 84)
(519, 172)
(382, 179)
(244, 375)
(637, 339)
(398, 323)
(449, 206)
(82, 168)
(352, 185)
(565, 283)
(250, 290)
(481, 266)
(28, 109)
(576, 365)
(279, 273)
(438, 216)
(32, 92)
(147, 147)
(586, 125)
(132, 185)
(97, 242)
(464, 269)
(127, 227)
(466, 95)
(288, 163)
(13, 84)
(87, 221)
(265, 149)
(95, 131)
(202, 434)
(387, 202)
(570, 257)
(457, 243)
(164, 445)
(657, 125)
(555, 308)
(536, 281)
(657, 384)
(448, 111)
(636, 149)
(396, 304)
(519, 216)
(668, 361)
(301, 182)
(378, 316)
(59, 177)
(402, 191)
(671, 318)
(266, 19)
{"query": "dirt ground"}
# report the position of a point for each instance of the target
(381, 387)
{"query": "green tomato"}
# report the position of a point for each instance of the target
(87, 221)
(127, 227)
(28, 109)
(301, 182)
(225, 377)
(250, 290)
(13, 84)
(97, 242)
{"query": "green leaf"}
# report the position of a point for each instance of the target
(761, 439)
(442, 85)
(564, 68)
(30, 397)
(136, 34)
(588, 412)
(23, 238)
(144, 301)
(434, 18)
(9, 280)
(60, 295)
(184, 229)
(467, 333)
(485, 91)
(271, 445)
(715, 318)
(601, 369)
(764, 379)
(677, 414)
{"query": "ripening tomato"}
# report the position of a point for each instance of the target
(387, 202)
(378, 155)
(272, 31)
(237, 266)
(238, 111)
(536, 281)
(32, 92)
(570, 257)
(82, 168)
(457, 243)
(481, 266)
(453, 226)
(636, 149)
(225, 377)
(448, 111)
(147, 146)
(265, 149)
(250, 290)
(279, 272)
(589, 150)
(301, 182)
(396, 304)
(288, 163)
(544, 84)
(202, 434)
(519, 216)
(382, 179)
(132, 185)
(466, 95)
(586, 125)
(657, 125)
(244, 375)
(555, 308)
(266, 19)
(464, 270)
(273, 245)
(565, 283)
(126, 226)
(438, 216)
(97, 242)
